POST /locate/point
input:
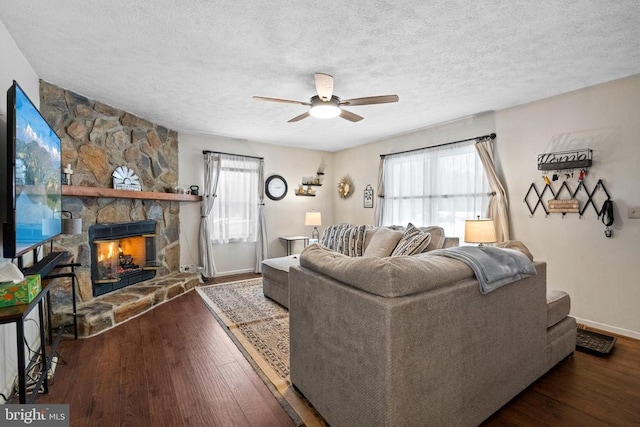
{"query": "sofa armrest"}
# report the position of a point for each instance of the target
(451, 242)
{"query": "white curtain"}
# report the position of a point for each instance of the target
(379, 207)
(234, 218)
(211, 176)
(435, 186)
(498, 204)
(262, 247)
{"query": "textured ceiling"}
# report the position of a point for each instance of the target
(194, 65)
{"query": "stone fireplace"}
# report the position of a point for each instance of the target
(96, 139)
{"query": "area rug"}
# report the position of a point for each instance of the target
(260, 329)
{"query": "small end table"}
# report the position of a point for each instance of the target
(289, 241)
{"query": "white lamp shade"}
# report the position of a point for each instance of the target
(479, 231)
(313, 218)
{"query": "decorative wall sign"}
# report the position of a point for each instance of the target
(368, 197)
(125, 179)
(575, 159)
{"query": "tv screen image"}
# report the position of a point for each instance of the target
(34, 181)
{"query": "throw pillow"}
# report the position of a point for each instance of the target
(413, 241)
(383, 242)
(353, 241)
(332, 236)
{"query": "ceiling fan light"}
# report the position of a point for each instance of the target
(328, 111)
(325, 109)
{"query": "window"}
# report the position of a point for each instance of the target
(441, 186)
(234, 217)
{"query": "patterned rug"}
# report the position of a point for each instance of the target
(260, 329)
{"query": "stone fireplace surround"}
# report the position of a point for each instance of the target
(97, 138)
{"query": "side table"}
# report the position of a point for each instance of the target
(18, 313)
(289, 241)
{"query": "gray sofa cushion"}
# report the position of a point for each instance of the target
(395, 276)
(558, 306)
(437, 237)
(382, 242)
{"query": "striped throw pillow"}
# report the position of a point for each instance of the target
(353, 241)
(413, 241)
(332, 236)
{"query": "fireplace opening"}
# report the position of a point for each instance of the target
(122, 254)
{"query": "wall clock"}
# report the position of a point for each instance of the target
(276, 187)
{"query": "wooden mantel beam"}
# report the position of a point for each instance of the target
(80, 191)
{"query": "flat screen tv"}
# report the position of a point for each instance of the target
(32, 178)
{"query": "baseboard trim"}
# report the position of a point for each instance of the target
(609, 328)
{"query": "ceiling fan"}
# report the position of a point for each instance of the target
(325, 105)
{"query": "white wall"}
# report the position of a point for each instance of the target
(13, 66)
(601, 274)
(284, 217)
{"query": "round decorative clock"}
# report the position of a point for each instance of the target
(276, 187)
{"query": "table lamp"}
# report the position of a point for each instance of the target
(479, 231)
(314, 219)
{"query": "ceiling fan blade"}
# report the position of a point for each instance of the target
(352, 117)
(385, 99)
(300, 117)
(324, 86)
(284, 101)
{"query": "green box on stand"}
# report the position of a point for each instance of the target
(20, 293)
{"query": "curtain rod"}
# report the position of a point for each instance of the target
(478, 138)
(230, 154)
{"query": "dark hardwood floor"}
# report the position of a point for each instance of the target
(172, 366)
(175, 366)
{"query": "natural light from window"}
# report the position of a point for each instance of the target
(440, 186)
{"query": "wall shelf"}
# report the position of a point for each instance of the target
(80, 191)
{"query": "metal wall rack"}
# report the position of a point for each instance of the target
(564, 186)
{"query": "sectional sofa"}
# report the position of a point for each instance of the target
(410, 340)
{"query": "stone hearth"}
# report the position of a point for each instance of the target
(109, 310)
